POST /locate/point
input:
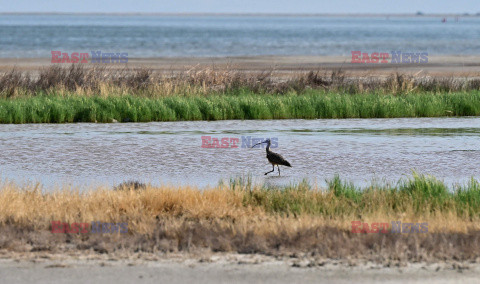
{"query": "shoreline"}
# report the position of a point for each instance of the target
(445, 65)
(179, 14)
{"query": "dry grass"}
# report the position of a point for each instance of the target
(100, 81)
(32, 208)
(240, 219)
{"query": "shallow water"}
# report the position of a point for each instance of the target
(171, 152)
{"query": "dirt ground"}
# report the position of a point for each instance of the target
(222, 268)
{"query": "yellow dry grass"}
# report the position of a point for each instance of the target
(31, 207)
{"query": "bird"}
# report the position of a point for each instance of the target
(274, 158)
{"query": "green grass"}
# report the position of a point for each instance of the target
(242, 105)
(418, 195)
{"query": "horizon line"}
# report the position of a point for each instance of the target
(416, 14)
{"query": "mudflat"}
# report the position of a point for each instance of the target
(453, 65)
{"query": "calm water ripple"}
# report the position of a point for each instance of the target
(160, 36)
(170, 152)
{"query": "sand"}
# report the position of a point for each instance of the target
(437, 65)
(224, 268)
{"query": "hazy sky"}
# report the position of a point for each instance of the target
(243, 6)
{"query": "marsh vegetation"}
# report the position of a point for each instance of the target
(78, 94)
(247, 218)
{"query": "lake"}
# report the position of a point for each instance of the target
(359, 150)
(172, 36)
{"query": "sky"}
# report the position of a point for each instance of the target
(243, 6)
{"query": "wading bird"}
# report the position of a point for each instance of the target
(274, 158)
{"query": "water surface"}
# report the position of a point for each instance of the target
(171, 152)
(159, 36)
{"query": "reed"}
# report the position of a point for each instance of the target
(101, 81)
(312, 104)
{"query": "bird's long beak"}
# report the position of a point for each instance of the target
(259, 143)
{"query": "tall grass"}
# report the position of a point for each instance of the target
(79, 94)
(249, 218)
(246, 105)
(418, 197)
(100, 81)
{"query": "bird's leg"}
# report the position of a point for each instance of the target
(278, 167)
(271, 170)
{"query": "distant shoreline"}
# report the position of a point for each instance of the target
(438, 65)
(248, 14)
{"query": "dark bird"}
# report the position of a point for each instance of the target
(274, 158)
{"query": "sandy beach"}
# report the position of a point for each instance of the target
(455, 65)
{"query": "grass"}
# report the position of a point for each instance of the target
(247, 105)
(78, 94)
(249, 218)
(100, 81)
